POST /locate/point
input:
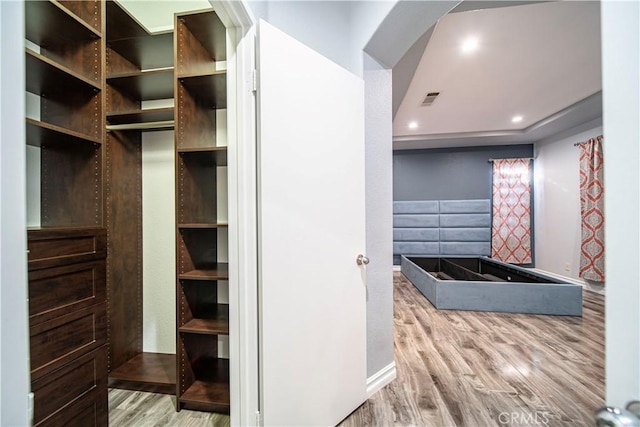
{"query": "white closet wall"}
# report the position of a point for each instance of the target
(158, 245)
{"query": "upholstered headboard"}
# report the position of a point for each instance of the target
(441, 227)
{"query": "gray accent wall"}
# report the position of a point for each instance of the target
(449, 173)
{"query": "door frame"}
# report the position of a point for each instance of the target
(16, 407)
(243, 211)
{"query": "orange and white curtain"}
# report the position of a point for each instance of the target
(511, 229)
(592, 210)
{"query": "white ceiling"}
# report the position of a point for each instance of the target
(535, 60)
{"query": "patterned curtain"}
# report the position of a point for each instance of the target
(511, 230)
(592, 210)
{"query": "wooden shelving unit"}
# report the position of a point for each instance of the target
(46, 76)
(141, 116)
(64, 69)
(67, 250)
(151, 372)
(200, 88)
(144, 85)
(40, 133)
(139, 68)
(203, 225)
(207, 272)
(210, 392)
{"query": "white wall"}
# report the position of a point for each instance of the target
(158, 242)
(364, 19)
(32, 108)
(379, 221)
(338, 30)
(621, 91)
(14, 336)
(321, 25)
(557, 222)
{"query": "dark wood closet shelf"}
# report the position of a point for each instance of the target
(209, 88)
(144, 85)
(153, 372)
(41, 133)
(203, 225)
(143, 120)
(120, 25)
(147, 52)
(49, 20)
(207, 156)
(141, 116)
(218, 271)
(210, 390)
(210, 32)
(216, 322)
(45, 76)
(130, 40)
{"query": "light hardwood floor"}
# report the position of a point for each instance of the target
(462, 368)
(456, 368)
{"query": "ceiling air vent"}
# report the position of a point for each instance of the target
(429, 98)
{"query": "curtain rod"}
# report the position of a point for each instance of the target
(577, 144)
(524, 158)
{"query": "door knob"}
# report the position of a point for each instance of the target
(362, 260)
(616, 417)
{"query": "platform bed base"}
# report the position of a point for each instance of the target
(484, 284)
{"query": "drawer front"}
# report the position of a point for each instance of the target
(74, 394)
(59, 341)
(52, 247)
(58, 291)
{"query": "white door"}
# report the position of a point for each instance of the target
(311, 229)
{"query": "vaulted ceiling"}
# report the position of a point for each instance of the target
(503, 75)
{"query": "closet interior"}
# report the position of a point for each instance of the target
(127, 191)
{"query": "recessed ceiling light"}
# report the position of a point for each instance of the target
(413, 125)
(516, 119)
(469, 45)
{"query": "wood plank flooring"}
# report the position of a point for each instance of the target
(142, 409)
(463, 368)
(455, 368)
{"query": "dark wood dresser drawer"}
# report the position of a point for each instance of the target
(49, 247)
(75, 394)
(61, 290)
(61, 340)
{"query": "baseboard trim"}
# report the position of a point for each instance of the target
(381, 378)
(396, 268)
(587, 287)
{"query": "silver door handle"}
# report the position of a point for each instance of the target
(609, 416)
(362, 260)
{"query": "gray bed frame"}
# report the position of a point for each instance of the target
(441, 227)
(550, 296)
